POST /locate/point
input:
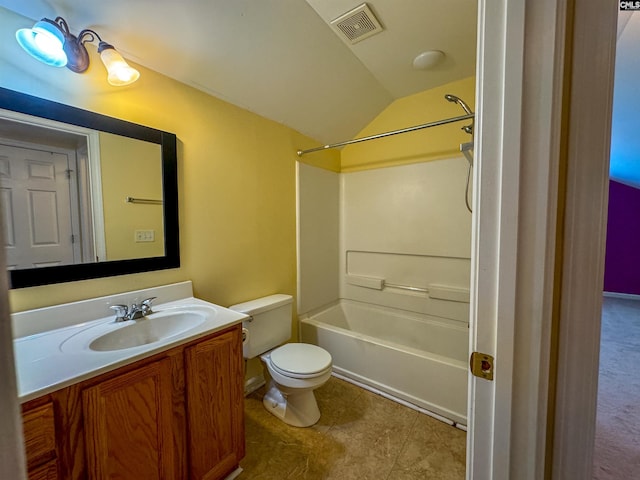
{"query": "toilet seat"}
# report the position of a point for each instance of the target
(300, 360)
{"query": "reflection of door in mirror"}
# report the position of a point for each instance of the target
(115, 161)
(42, 178)
(64, 191)
(35, 185)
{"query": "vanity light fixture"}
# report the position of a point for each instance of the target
(51, 42)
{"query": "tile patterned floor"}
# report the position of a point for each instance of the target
(360, 435)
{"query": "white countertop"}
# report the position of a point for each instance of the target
(56, 358)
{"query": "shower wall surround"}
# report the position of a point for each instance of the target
(409, 226)
(318, 212)
(406, 225)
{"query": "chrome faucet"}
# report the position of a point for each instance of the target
(134, 312)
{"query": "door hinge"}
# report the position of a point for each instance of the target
(68, 171)
(481, 365)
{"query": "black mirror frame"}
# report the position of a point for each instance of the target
(38, 107)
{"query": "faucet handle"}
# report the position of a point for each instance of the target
(145, 305)
(121, 312)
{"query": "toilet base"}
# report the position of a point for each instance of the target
(299, 409)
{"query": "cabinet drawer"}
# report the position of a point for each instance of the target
(39, 435)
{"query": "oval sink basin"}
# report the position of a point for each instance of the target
(147, 330)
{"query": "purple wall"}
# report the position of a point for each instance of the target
(622, 262)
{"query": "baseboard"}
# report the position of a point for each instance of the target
(253, 384)
(626, 296)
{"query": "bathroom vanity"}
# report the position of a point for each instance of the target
(168, 409)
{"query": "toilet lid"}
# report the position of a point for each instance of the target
(300, 359)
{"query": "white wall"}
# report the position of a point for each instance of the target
(318, 195)
(408, 225)
(405, 224)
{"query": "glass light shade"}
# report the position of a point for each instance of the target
(119, 71)
(428, 59)
(44, 42)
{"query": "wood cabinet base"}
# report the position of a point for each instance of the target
(176, 415)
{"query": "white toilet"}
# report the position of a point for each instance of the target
(296, 369)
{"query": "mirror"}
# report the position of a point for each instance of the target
(84, 195)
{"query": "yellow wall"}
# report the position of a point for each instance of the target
(121, 177)
(236, 176)
(236, 171)
(419, 146)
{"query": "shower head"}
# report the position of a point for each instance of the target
(454, 99)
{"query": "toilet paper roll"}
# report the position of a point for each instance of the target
(245, 336)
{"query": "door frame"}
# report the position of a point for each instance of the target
(543, 100)
(494, 250)
(12, 455)
(588, 140)
(93, 177)
(78, 229)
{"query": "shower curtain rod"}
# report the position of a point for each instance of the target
(387, 134)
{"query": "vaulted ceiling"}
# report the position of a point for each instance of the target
(281, 58)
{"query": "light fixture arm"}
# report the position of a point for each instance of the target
(62, 24)
(59, 48)
(77, 55)
(88, 35)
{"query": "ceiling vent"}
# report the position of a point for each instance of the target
(357, 24)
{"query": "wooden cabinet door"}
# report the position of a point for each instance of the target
(127, 425)
(214, 382)
(40, 442)
(48, 471)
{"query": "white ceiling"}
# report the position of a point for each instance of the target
(280, 58)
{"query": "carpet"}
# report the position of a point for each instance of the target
(617, 444)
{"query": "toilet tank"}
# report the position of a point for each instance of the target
(269, 325)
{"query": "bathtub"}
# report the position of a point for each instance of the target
(414, 358)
